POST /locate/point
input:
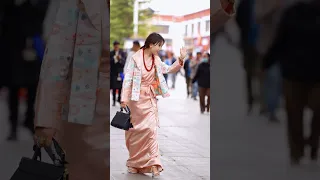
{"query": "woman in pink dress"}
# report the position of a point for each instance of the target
(143, 81)
(73, 92)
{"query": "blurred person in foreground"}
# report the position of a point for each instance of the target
(117, 62)
(248, 37)
(144, 81)
(202, 76)
(187, 73)
(20, 64)
(267, 16)
(134, 49)
(295, 48)
(72, 102)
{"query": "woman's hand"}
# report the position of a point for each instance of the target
(123, 105)
(183, 53)
(43, 136)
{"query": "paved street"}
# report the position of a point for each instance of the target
(11, 153)
(184, 138)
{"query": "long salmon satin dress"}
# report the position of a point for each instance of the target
(141, 140)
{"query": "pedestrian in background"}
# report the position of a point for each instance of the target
(169, 61)
(117, 62)
(194, 66)
(298, 59)
(187, 73)
(202, 76)
(134, 49)
(20, 64)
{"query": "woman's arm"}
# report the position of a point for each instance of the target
(222, 11)
(175, 67)
(127, 81)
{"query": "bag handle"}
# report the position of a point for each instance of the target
(56, 154)
(54, 151)
(127, 109)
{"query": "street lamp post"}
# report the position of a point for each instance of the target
(135, 18)
(136, 8)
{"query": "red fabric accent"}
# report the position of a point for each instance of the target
(229, 8)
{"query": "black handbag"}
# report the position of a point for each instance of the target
(122, 119)
(34, 169)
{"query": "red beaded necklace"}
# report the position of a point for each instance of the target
(144, 63)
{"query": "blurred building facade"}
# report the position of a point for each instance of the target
(190, 30)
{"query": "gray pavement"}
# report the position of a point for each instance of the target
(184, 140)
(11, 152)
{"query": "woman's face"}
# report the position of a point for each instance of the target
(155, 48)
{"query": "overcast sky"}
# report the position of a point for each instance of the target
(178, 7)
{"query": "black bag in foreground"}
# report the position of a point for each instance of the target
(34, 169)
(122, 120)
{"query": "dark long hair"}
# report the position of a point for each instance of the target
(153, 38)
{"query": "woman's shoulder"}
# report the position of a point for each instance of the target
(136, 54)
(157, 58)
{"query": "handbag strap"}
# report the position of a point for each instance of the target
(37, 152)
(127, 109)
(55, 152)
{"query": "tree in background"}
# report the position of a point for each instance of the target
(121, 21)
(145, 28)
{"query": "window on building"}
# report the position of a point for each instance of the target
(192, 29)
(207, 25)
(163, 29)
(188, 42)
(168, 42)
(186, 30)
(199, 26)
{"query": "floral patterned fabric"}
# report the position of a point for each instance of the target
(74, 68)
(132, 80)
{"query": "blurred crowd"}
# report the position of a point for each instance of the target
(278, 41)
(21, 46)
(196, 71)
